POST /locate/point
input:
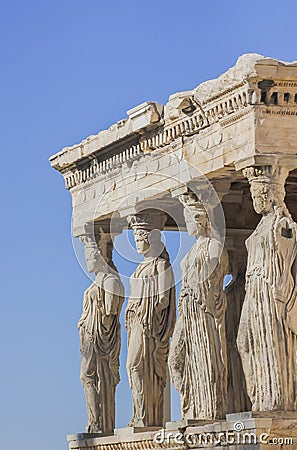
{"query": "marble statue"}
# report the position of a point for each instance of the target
(150, 319)
(268, 325)
(197, 359)
(100, 339)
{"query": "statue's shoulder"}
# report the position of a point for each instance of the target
(90, 288)
(216, 248)
(112, 276)
(112, 283)
(285, 228)
(162, 264)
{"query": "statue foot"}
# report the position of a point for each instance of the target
(136, 423)
(93, 428)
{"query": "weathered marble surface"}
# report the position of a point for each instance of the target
(267, 331)
(100, 340)
(150, 318)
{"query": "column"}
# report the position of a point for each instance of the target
(150, 319)
(268, 326)
(100, 333)
(198, 353)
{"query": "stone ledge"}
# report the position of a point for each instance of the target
(255, 433)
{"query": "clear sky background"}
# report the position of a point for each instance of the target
(70, 68)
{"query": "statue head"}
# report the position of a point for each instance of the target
(262, 196)
(145, 240)
(267, 187)
(142, 241)
(196, 217)
(147, 235)
(93, 256)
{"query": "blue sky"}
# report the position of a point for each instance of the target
(68, 69)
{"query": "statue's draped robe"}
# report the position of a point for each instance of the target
(100, 341)
(266, 342)
(150, 319)
(197, 361)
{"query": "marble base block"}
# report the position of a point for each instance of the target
(240, 431)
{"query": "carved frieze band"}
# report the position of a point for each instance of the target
(186, 127)
(96, 168)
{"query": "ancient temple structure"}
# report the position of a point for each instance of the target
(219, 161)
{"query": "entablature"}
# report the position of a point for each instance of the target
(247, 116)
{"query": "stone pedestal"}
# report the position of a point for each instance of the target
(240, 431)
(123, 438)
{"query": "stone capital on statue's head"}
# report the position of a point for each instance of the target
(271, 174)
(149, 220)
(192, 202)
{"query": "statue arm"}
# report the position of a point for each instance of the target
(113, 296)
(165, 280)
(85, 309)
(218, 261)
(284, 261)
(291, 314)
(215, 302)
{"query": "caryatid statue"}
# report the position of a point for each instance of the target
(268, 325)
(150, 319)
(197, 358)
(100, 335)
